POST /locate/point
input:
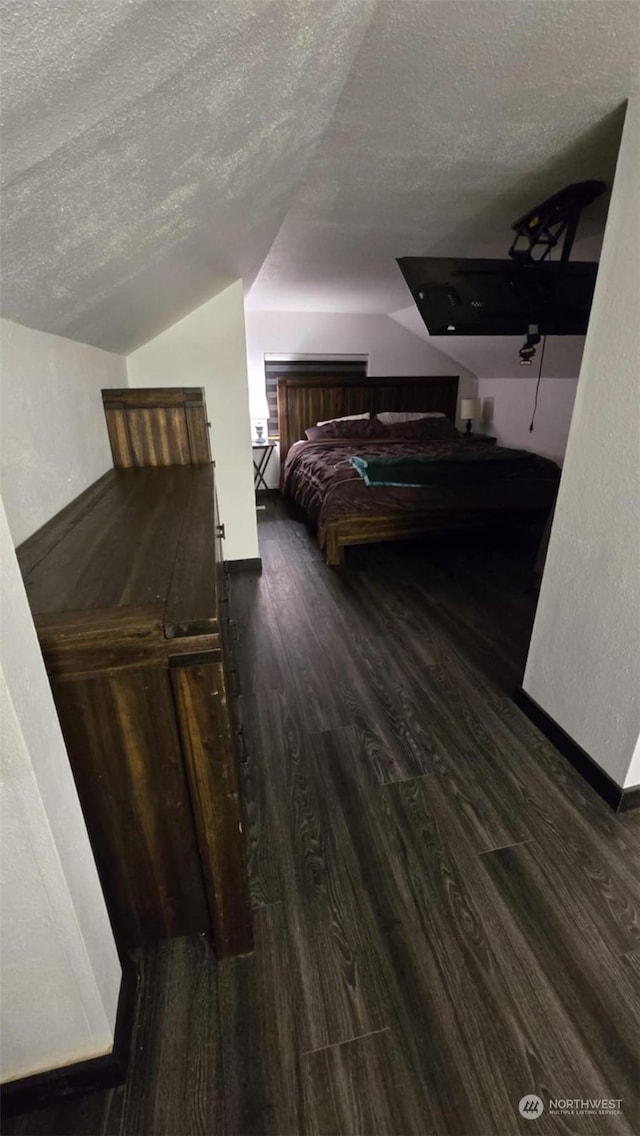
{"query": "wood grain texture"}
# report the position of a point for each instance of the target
(37, 546)
(125, 548)
(157, 426)
(119, 439)
(452, 965)
(262, 809)
(125, 585)
(260, 650)
(198, 432)
(209, 753)
(78, 644)
(123, 743)
(158, 436)
(95, 1114)
(363, 1086)
(331, 965)
(152, 396)
(512, 997)
(174, 1085)
(303, 401)
(550, 926)
(261, 1061)
(409, 975)
(197, 588)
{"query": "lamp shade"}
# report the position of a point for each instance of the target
(470, 407)
(259, 405)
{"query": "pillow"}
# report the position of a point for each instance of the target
(389, 416)
(421, 429)
(345, 418)
(345, 428)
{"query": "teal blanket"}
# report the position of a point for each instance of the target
(457, 468)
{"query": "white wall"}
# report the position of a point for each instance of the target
(633, 772)
(59, 966)
(52, 428)
(508, 390)
(208, 349)
(507, 407)
(392, 349)
(584, 664)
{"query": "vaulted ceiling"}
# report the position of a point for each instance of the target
(155, 150)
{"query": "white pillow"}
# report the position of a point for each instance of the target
(347, 418)
(390, 416)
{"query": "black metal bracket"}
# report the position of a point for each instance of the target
(542, 227)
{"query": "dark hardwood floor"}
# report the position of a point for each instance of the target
(447, 917)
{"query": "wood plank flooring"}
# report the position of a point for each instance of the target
(447, 917)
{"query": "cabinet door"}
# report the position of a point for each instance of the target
(208, 745)
(124, 746)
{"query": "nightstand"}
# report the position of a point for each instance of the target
(262, 451)
(485, 439)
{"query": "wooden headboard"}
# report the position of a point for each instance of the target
(304, 401)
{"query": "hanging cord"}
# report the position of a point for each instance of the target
(535, 405)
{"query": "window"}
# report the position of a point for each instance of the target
(277, 366)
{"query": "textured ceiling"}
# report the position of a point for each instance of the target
(153, 151)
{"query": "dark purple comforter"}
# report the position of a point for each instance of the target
(318, 476)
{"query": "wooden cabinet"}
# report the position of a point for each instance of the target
(150, 426)
(126, 587)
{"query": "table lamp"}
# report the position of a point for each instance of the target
(259, 419)
(258, 431)
(470, 408)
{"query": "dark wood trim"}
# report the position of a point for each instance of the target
(43, 1089)
(373, 528)
(126, 397)
(304, 401)
(253, 564)
(197, 658)
(208, 746)
(157, 426)
(301, 369)
(621, 800)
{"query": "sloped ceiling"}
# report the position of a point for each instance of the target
(153, 151)
(496, 356)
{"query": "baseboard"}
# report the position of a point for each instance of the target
(43, 1089)
(630, 799)
(621, 800)
(252, 565)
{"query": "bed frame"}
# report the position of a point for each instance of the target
(302, 401)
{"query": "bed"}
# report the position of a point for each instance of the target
(318, 473)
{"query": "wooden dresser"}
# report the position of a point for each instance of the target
(128, 593)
